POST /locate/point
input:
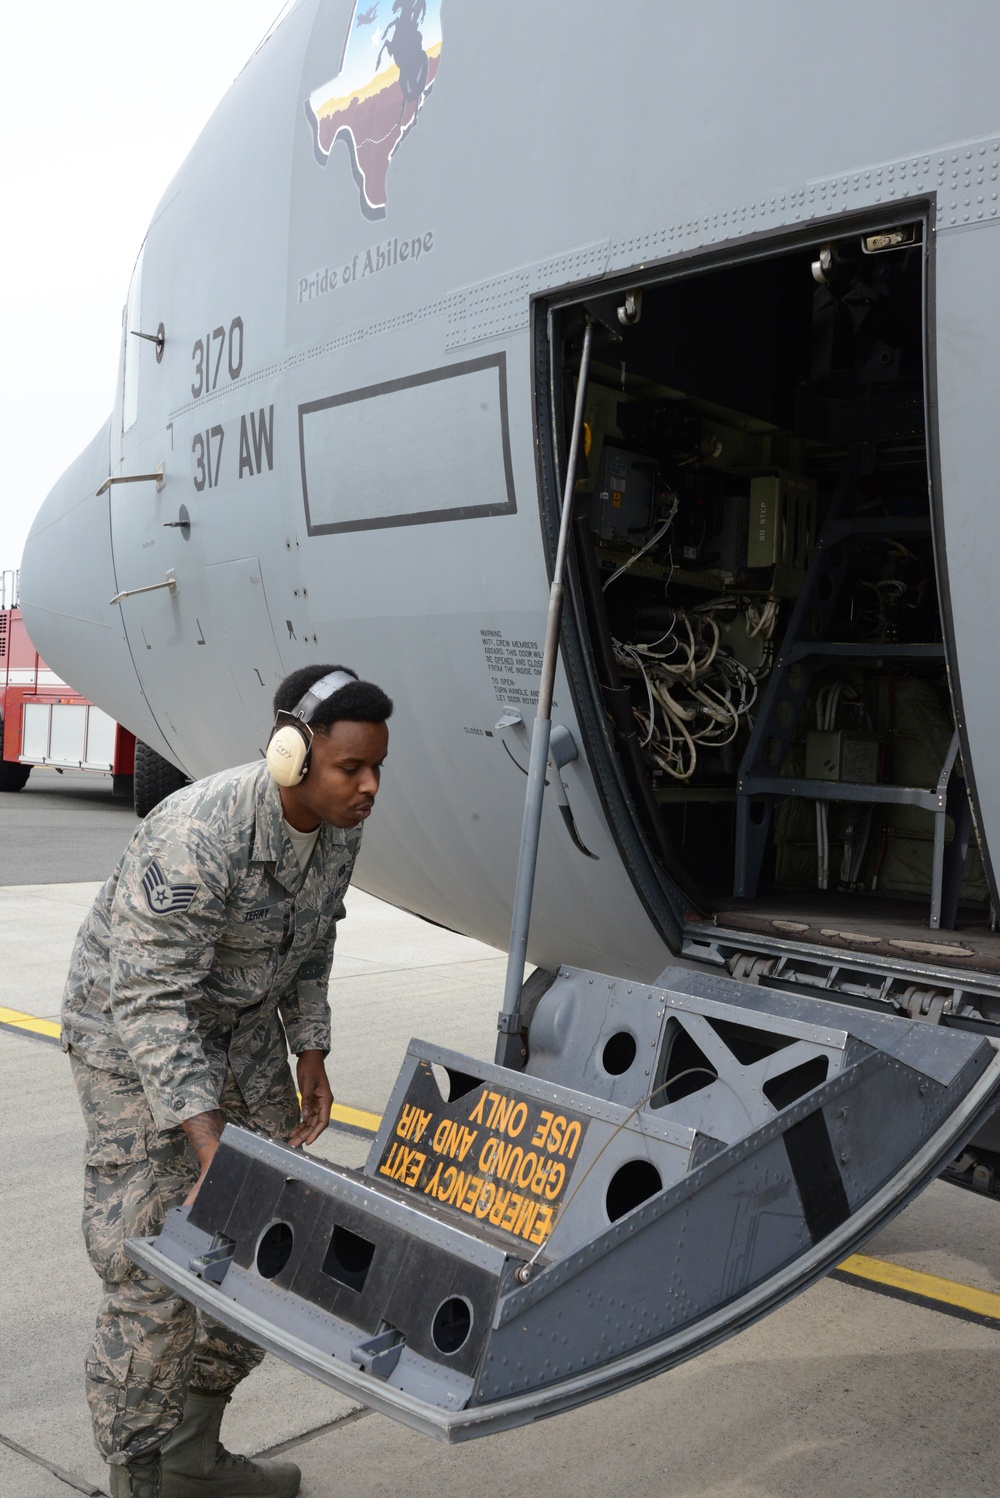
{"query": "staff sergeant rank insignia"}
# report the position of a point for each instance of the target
(161, 897)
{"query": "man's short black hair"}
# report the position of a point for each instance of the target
(358, 702)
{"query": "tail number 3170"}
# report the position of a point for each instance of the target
(207, 355)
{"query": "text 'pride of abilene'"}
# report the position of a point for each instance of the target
(506, 1161)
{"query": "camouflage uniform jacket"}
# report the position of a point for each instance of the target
(206, 932)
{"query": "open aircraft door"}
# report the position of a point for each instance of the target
(966, 356)
(676, 1160)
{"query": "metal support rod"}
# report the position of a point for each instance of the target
(507, 1022)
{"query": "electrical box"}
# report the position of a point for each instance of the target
(723, 547)
(624, 495)
(782, 529)
(842, 754)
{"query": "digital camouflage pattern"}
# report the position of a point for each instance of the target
(149, 1345)
(206, 947)
(207, 934)
(202, 951)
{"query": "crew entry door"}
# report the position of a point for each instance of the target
(196, 626)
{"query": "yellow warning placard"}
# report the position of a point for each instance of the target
(489, 1153)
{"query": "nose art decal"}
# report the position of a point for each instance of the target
(389, 64)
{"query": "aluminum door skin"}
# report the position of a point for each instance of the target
(199, 630)
(197, 619)
(617, 1239)
(965, 368)
(66, 580)
(206, 641)
(144, 494)
(214, 700)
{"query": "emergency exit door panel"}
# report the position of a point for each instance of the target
(675, 1162)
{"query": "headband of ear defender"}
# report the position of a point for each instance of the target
(290, 745)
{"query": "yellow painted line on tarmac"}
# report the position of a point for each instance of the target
(923, 1289)
(355, 1118)
(13, 1019)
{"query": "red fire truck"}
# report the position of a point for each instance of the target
(45, 722)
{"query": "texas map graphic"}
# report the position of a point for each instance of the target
(389, 64)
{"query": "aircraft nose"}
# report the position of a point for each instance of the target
(67, 578)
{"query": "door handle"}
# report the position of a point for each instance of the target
(134, 478)
(562, 751)
(170, 582)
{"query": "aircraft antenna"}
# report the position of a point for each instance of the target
(509, 1019)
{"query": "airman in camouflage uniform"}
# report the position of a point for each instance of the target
(204, 959)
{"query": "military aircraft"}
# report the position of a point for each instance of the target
(708, 297)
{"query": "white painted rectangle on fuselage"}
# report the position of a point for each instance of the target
(428, 448)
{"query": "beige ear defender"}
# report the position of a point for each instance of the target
(290, 744)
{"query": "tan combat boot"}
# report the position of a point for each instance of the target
(197, 1465)
(139, 1479)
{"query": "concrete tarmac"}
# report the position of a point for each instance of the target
(844, 1393)
(62, 827)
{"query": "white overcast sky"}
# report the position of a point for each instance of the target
(100, 101)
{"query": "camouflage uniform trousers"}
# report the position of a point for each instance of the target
(150, 1346)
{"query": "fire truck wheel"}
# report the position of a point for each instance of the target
(155, 778)
(13, 777)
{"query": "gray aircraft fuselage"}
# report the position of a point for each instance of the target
(353, 407)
